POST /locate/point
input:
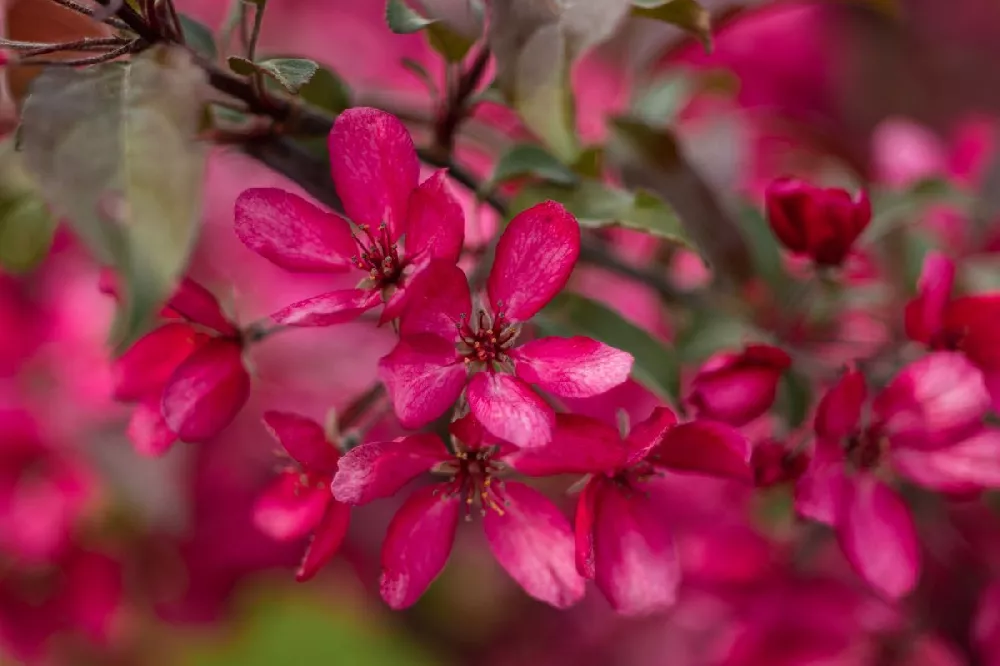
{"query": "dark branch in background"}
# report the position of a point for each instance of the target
(457, 105)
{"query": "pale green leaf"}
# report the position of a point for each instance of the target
(542, 95)
(655, 365)
(242, 66)
(327, 91)
(291, 73)
(659, 102)
(199, 37)
(527, 159)
(26, 225)
(403, 19)
(685, 14)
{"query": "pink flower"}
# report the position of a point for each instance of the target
(622, 540)
(44, 493)
(446, 346)
(528, 535)
(187, 376)
(299, 502)
(774, 463)
(736, 388)
(400, 224)
(820, 223)
(967, 324)
(927, 424)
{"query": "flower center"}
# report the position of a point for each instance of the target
(864, 448)
(379, 255)
(630, 480)
(474, 477)
(485, 340)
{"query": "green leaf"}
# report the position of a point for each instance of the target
(685, 14)
(542, 95)
(199, 37)
(241, 66)
(114, 148)
(794, 398)
(327, 91)
(403, 19)
(527, 159)
(659, 103)
(600, 206)
(450, 44)
(26, 225)
(709, 331)
(291, 73)
(655, 366)
(894, 209)
(764, 249)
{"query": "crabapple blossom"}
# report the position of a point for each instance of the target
(736, 388)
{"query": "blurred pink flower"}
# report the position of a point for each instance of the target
(775, 463)
(376, 172)
(623, 542)
(528, 535)
(737, 387)
(442, 338)
(300, 501)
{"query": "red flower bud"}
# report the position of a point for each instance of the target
(773, 463)
(820, 223)
(736, 388)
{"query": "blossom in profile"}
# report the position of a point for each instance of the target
(527, 534)
(395, 224)
(449, 345)
(299, 501)
(623, 542)
(737, 387)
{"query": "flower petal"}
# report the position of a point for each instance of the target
(303, 439)
(374, 167)
(435, 225)
(417, 545)
(966, 466)
(289, 510)
(878, 537)
(437, 298)
(289, 231)
(148, 430)
(147, 365)
(820, 490)
(972, 321)
(644, 436)
(197, 304)
(924, 315)
(326, 540)
(932, 402)
(207, 391)
(380, 469)
(636, 563)
(839, 409)
(579, 445)
(736, 388)
(534, 259)
(508, 409)
(423, 377)
(335, 307)
(533, 542)
(576, 367)
(584, 522)
(705, 447)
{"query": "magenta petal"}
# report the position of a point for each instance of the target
(424, 378)
(374, 167)
(705, 447)
(933, 401)
(435, 226)
(147, 365)
(288, 509)
(380, 469)
(289, 231)
(303, 439)
(576, 367)
(207, 391)
(417, 545)
(636, 563)
(924, 315)
(197, 304)
(533, 542)
(839, 409)
(584, 522)
(644, 436)
(326, 540)
(436, 300)
(335, 307)
(534, 259)
(968, 465)
(878, 537)
(148, 430)
(579, 445)
(819, 492)
(510, 410)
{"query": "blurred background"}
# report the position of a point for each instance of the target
(110, 557)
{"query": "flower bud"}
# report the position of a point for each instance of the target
(819, 223)
(773, 463)
(736, 388)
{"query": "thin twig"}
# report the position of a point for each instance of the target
(113, 21)
(457, 107)
(81, 45)
(80, 62)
